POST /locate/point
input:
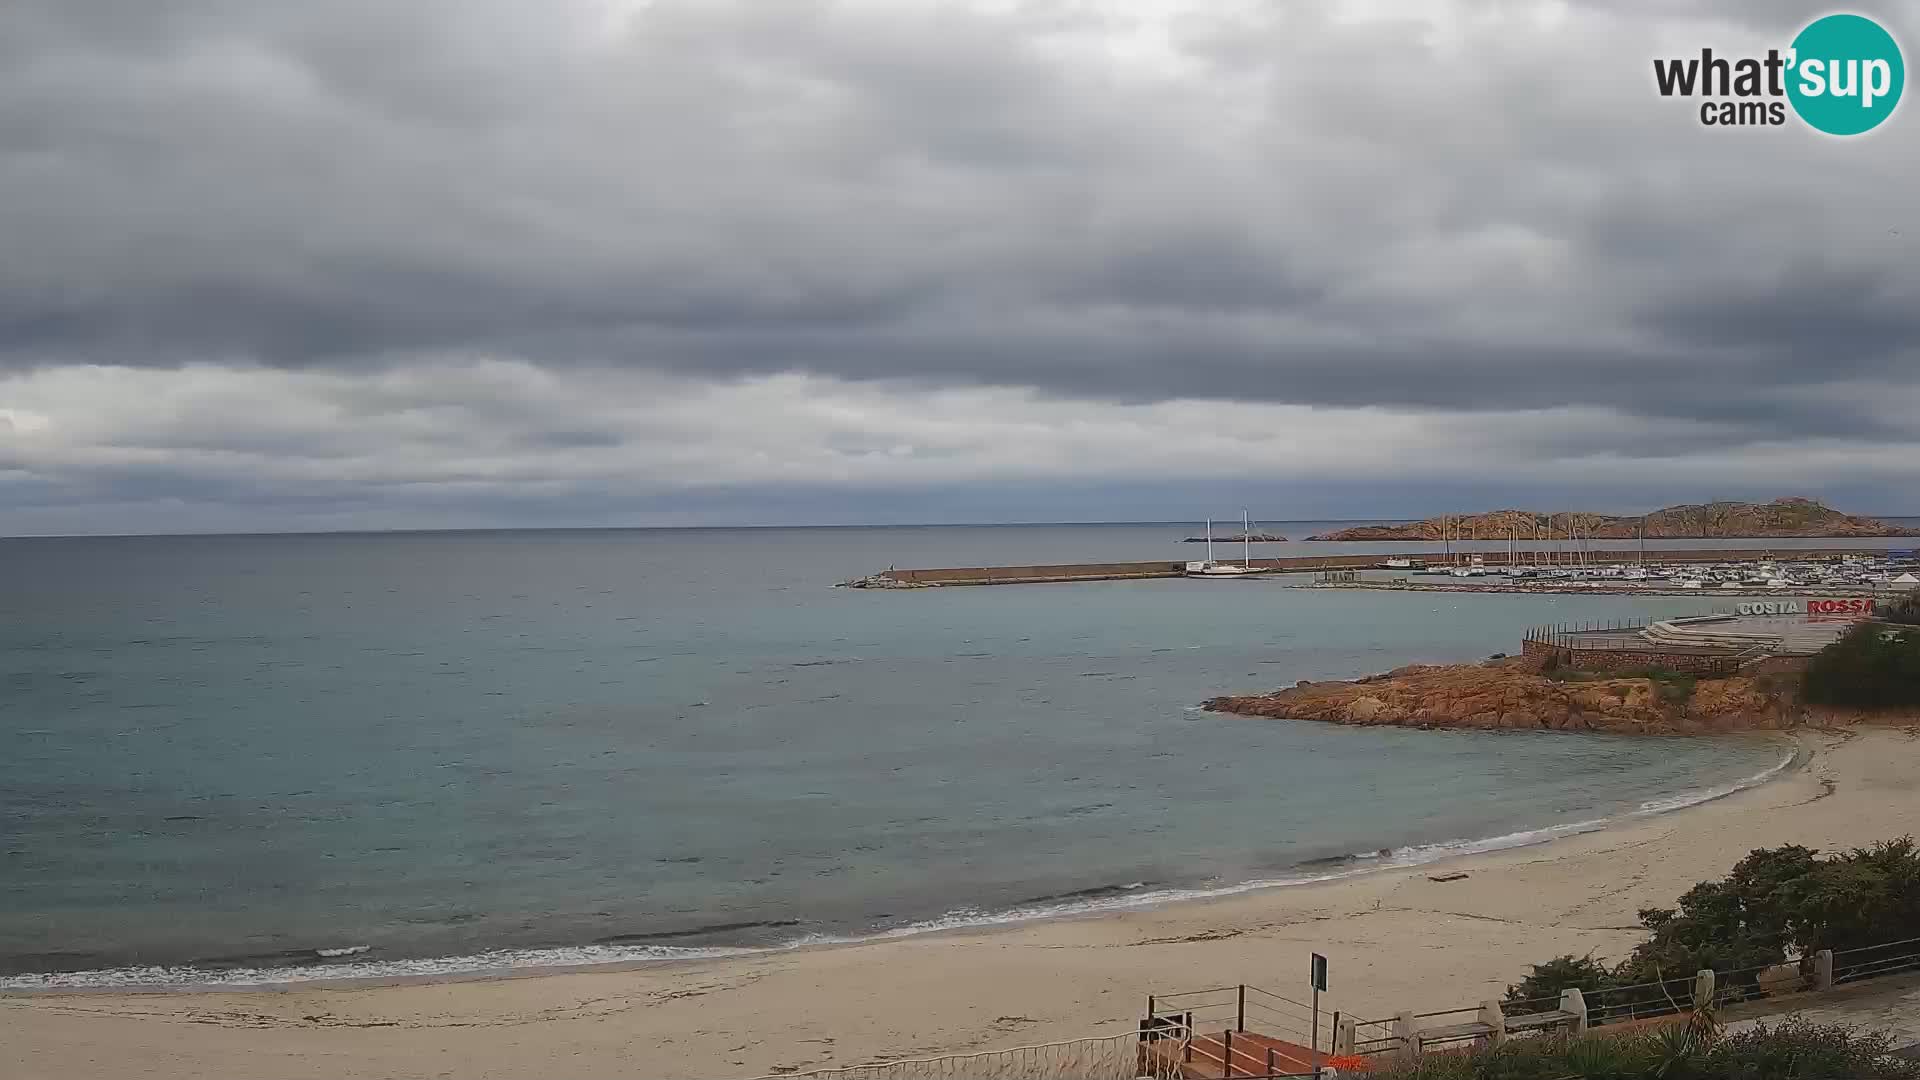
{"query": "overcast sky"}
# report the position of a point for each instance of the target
(279, 264)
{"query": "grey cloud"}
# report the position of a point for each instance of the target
(1772, 15)
(1265, 203)
(1837, 321)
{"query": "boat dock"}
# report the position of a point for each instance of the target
(1063, 572)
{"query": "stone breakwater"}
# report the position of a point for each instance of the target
(1515, 695)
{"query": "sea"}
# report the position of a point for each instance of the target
(245, 760)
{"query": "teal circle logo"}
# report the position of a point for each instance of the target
(1846, 74)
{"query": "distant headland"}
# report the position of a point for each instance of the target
(1715, 520)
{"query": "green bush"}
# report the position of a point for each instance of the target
(1873, 667)
(1797, 1049)
(1738, 922)
(1545, 982)
(1673, 687)
(1794, 1050)
(1776, 902)
(1905, 609)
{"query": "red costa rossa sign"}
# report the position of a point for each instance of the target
(1857, 605)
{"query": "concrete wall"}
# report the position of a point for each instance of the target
(1777, 665)
(994, 575)
(1606, 660)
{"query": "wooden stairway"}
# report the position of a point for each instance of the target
(1233, 1055)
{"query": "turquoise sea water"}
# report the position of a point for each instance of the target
(442, 752)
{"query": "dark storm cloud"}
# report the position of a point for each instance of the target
(1454, 209)
(736, 188)
(1839, 320)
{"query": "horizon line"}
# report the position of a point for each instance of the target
(221, 534)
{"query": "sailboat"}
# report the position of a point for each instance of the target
(1213, 569)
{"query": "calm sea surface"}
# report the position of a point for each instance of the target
(446, 751)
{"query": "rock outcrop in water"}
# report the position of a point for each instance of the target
(1781, 517)
(1514, 695)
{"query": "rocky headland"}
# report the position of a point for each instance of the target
(1515, 694)
(1781, 517)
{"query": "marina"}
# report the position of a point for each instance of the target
(1732, 571)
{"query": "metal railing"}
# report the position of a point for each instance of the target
(1112, 1057)
(1873, 961)
(1374, 1036)
(1240, 1008)
(1232, 1061)
(1565, 635)
(1529, 1006)
(1170, 1044)
(1473, 1010)
(1745, 984)
(1570, 639)
(1455, 1026)
(1640, 1001)
(1177, 1040)
(1597, 1009)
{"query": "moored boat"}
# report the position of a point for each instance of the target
(1213, 569)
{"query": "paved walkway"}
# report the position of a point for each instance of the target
(1890, 1005)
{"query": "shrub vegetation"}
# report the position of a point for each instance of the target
(1776, 902)
(1670, 686)
(1874, 666)
(1906, 609)
(1793, 1050)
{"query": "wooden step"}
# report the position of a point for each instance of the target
(1235, 1055)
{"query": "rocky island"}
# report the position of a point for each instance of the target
(1781, 517)
(1516, 694)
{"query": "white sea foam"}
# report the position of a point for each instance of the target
(491, 963)
(1135, 895)
(1705, 795)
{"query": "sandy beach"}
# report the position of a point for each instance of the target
(1396, 939)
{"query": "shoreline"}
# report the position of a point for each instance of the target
(185, 979)
(1397, 939)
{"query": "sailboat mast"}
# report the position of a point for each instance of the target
(1246, 539)
(1209, 541)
